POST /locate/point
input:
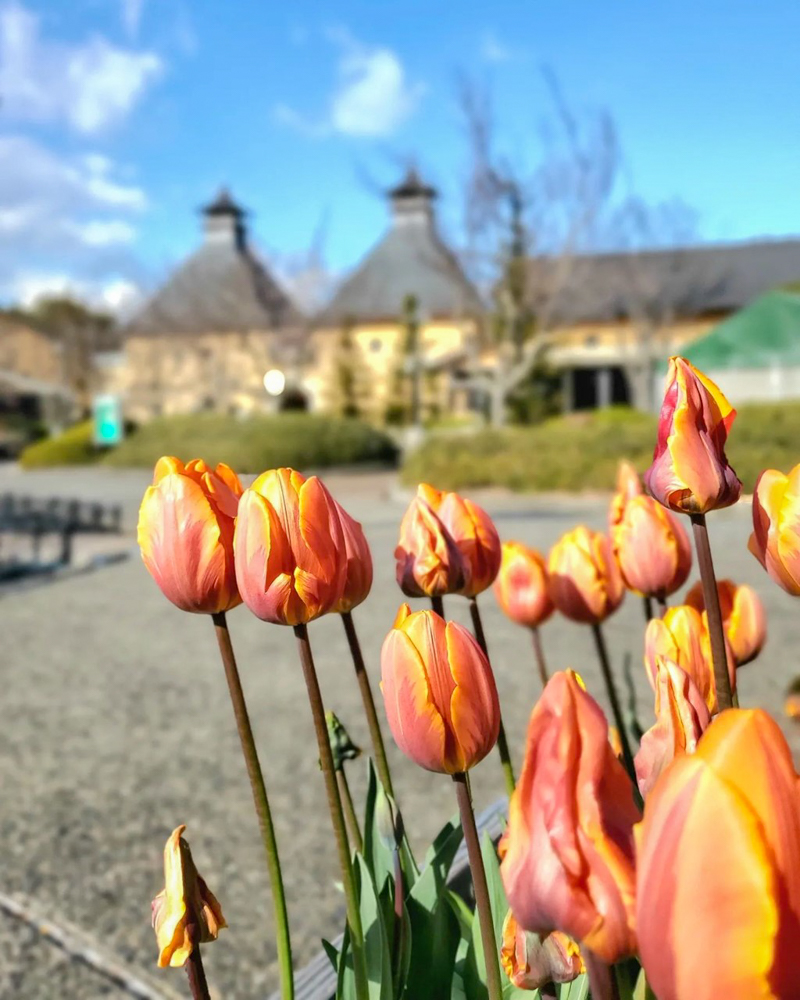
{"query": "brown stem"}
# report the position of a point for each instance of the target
(483, 904)
(335, 806)
(378, 747)
(662, 605)
(502, 741)
(437, 603)
(541, 663)
(613, 697)
(648, 608)
(196, 975)
(259, 790)
(601, 977)
(711, 600)
(353, 828)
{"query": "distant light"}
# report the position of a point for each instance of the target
(274, 382)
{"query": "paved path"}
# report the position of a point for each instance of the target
(116, 727)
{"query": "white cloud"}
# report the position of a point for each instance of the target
(115, 294)
(373, 96)
(104, 232)
(494, 50)
(90, 86)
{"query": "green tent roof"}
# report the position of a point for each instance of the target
(763, 334)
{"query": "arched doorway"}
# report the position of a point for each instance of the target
(294, 400)
(595, 388)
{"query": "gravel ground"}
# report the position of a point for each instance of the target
(116, 727)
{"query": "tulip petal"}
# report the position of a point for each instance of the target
(474, 705)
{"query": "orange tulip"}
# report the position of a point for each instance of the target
(429, 563)
(742, 617)
(358, 581)
(718, 865)
(475, 535)
(289, 548)
(585, 582)
(690, 472)
(185, 533)
(186, 912)
(681, 719)
(441, 700)
(651, 548)
(775, 541)
(521, 586)
(569, 862)
(531, 961)
(682, 637)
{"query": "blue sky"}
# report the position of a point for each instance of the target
(120, 117)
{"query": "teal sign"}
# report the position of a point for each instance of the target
(107, 421)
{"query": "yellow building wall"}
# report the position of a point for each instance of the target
(30, 352)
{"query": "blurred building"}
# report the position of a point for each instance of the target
(611, 319)
(32, 382)
(400, 324)
(207, 338)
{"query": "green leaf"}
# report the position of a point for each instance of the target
(332, 952)
(377, 853)
(376, 949)
(642, 990)
(578, 989)
(435, 935)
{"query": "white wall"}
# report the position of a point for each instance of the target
(751, 385)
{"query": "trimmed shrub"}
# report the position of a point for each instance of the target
(73, 447)
(252, 444)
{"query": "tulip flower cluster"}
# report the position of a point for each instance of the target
(660, 861)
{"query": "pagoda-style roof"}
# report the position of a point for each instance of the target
(410, 259)
(222, 287)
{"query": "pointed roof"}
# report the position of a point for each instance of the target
(223, 286)
(410, 259)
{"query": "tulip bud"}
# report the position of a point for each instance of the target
(521, 587)
(475, 535)
(288, 548)
(743, 617)
(185, 533)
(690, 472)
(186, 912)
(775, 541)
(651, 548)
(681, 719)
(531, 961)
(585, 583)
(569, 862)
(342, 746)
(441, 700)
(429, 563)
(358, 580)
(681, 636)
(718, 867)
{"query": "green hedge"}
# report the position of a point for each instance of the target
(581, 451)
(73, 447)
(252, 444)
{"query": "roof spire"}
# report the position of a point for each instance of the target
(224, 220)
(412, 200)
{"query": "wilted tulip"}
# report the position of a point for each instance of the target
(531, 961)
(775, 541)
(651, 548)
(681, 719)
(585, 582)
(358, 580)
(441, 700)
(690, 472)
(569, 862)
(681, 636)
(429, 563)
(185, 533)
(186, 912)
(743, 617)
(289, 548)
(521, 585)
(718, 868)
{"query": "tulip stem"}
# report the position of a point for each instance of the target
(483, 904)
(353, 827)
(196, 975)
(711, 600)
(613, 697)
(256, 776)
(437, 603)
(378, 746)
(648, 608)
(502, 741)
(662, 606)
(601, 977)
(337, 815)
(538, 652)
